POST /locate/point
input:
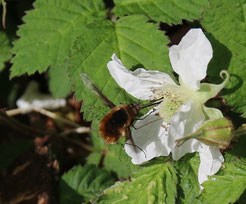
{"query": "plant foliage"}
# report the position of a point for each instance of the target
(63, 39)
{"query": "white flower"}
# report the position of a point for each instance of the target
(182, 110)
(32, 98)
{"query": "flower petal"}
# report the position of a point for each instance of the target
(32, 98)
(138, 83)
(190, 58)
(186, 121)
(151, 137)
(211, 160)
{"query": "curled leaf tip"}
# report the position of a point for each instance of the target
(224, 75)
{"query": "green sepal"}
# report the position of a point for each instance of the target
(216, 132)
(208, 91)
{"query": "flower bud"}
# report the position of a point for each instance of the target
(218, 132)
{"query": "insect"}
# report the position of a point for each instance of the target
(117, 122)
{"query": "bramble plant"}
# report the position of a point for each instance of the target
(181, 139)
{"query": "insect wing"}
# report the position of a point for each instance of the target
(89, 83)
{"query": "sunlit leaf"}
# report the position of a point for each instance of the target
(154, 184)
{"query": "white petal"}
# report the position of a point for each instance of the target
(138, 83)
(33, 99)
(151, 137)
(190, 58)
(211, 160)
(186, 121)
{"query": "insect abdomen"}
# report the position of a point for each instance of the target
(112, 126)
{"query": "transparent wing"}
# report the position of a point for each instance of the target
(89, 83)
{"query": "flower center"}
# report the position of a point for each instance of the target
(173, 97)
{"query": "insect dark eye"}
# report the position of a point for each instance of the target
(119, 118)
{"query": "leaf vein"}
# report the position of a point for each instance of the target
(123, 36)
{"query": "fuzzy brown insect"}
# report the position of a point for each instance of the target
(117, 122)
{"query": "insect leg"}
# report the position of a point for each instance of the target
(136, 128)
(153, 110)
(129, 136)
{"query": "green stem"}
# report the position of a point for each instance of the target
(4, 14)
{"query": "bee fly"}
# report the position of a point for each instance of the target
(116, 123)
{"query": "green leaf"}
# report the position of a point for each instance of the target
(188, 186)
(117, 150)
(136, 42)
(168, 11)
(115, 158)
(111, 163)
(59, 82)
(83, 184)
(48, 33)
(154, 184)
(226, 187)
(94, 158)
(5, 44)
(225, 21)
(96, 140)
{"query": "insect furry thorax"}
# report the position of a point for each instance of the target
(116, 123)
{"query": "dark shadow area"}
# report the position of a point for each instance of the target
(242, 198)
(12, 89)
(109, 3)
(238, 148)
(15, 11)
(11, 151)
(29, 179)
(136, 67)
(237, 83)
(227, 111)
(7, 89)
(177, 31)
(220, 60)
(236, 118)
